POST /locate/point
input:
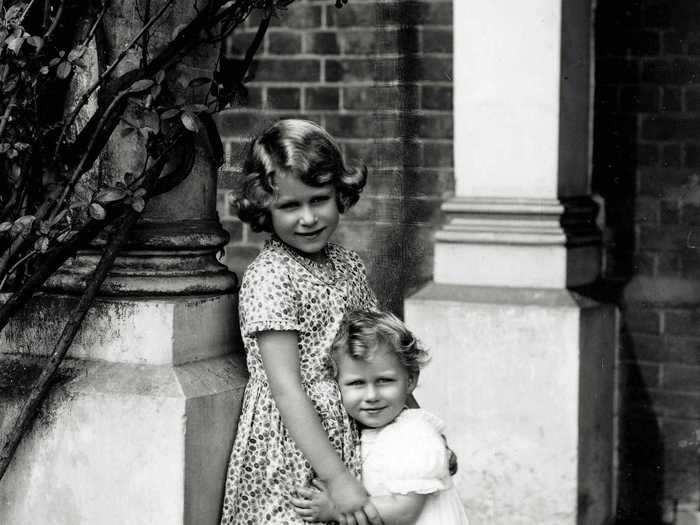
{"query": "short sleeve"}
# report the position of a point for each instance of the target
(412, 455)
(268, 299)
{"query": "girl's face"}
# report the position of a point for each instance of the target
(375, 391)
(304, 216)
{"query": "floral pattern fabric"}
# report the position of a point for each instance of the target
(282, 290)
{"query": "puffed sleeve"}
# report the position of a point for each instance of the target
(268, 299)
(412, 455)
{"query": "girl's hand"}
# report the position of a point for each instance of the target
(314, 504)
(346, 492)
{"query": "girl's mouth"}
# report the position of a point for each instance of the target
(311, 234)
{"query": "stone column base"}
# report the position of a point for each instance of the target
(524, 380)
(139, 425)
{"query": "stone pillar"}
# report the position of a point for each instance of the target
(139, 426)
(522, 367)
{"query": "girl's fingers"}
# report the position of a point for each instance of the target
(305, 492)
(318, 484)
(372, 514)
(360, 517)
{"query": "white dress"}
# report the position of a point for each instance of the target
(409, 456)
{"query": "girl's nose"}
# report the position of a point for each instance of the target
(370, 393)
(308, 217)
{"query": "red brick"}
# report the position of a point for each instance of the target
(375, 98)
(237, 123)
(671, 99)
(239, 42)
(617, 71)
(681, 378)
(664, 237)
(673, 43)
(396, 211)
(435, 126)
(668, 264)
(410, 182)
(657, 181)
(681, 322)
(647, 155)
(410, 68)
(692, 98)
(669, 212)
(283, 98)
(436, 97)
(287, 70)
(647, 210)
(227, 179)
(438, 154)
(365, 125)
(684, 350)
(436, 40)
(322, 98)
(671, 156)
(322, 43)
(379, 41)
(283, 43)
(670, 71)
(676, 405)
(403, 13)
(639, 376)
(640, 98)
(641, 320)
(234, 229)
(386, 154)
(642, 347)
(300, 16)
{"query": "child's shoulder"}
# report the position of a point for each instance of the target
(344, 254)
(418, 419)
(271, 259)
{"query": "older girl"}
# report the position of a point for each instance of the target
(293, 427)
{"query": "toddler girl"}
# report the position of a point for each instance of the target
(293, 296)
(404, 459)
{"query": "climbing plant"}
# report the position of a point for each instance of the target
(57, 117)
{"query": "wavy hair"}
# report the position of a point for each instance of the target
(361, 333)
(293, 147)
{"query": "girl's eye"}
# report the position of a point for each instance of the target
(287, 206)
(354, 383)
(385, 380)
(320, 199)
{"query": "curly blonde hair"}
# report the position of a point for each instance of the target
(297, 147)
(361, 333)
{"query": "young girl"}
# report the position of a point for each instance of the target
(404, 459)
(293, 296)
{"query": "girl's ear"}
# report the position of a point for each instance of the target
(412, 382)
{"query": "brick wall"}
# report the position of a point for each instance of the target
(378, 76)
(646, 153)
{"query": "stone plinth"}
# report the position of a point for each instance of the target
(523, 379)
(140, 423)
(122, 443)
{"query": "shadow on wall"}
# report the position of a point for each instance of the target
(617, 155)
(640, 446)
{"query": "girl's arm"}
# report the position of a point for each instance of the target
(279, 352)
(314, 504)
(399, 509)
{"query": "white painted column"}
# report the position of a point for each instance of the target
(521, 102)
(522, 367)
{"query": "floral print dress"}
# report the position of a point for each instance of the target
(282, 290)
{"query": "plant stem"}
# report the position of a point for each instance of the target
(41, 389)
